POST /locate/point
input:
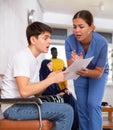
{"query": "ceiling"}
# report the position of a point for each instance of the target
(99, 8)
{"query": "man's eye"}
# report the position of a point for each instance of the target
(81, 27)
(45, 38)
(74, 27)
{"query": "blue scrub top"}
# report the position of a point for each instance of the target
(98, 48)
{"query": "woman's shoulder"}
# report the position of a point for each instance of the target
(71, 38)
(98, 37)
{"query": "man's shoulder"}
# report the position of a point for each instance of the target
(21, 54)
(57, 59)
(60, 59)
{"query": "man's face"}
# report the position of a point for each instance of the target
(54, 53)
(42, 43)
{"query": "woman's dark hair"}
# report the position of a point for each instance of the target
(44, 70)
(85, 15)
(35, 29)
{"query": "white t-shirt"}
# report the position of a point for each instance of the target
(22, 64)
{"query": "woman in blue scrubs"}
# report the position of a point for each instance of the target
(91, 84)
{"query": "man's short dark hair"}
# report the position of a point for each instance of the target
(53, 48)
(35, 29)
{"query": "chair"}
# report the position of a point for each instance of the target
(108, 121)
(40, 124)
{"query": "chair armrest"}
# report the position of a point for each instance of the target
(21, 100)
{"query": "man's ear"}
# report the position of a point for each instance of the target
(33, 39)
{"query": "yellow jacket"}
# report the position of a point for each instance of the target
(58, 64)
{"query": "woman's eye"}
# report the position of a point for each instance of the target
(81, 27)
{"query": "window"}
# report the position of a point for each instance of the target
(110, 61)
(108, 36)
(59, 34)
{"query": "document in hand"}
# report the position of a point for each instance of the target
(76, 66)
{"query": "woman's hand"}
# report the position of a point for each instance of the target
(95, 73)
(75, 56)
(61, 93)
(67, 91)
(83, 72)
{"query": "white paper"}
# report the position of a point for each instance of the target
(76, 66)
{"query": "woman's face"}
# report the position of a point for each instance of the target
(81, 29)
(50, 66)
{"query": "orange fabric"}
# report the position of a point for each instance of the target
(25, 125)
